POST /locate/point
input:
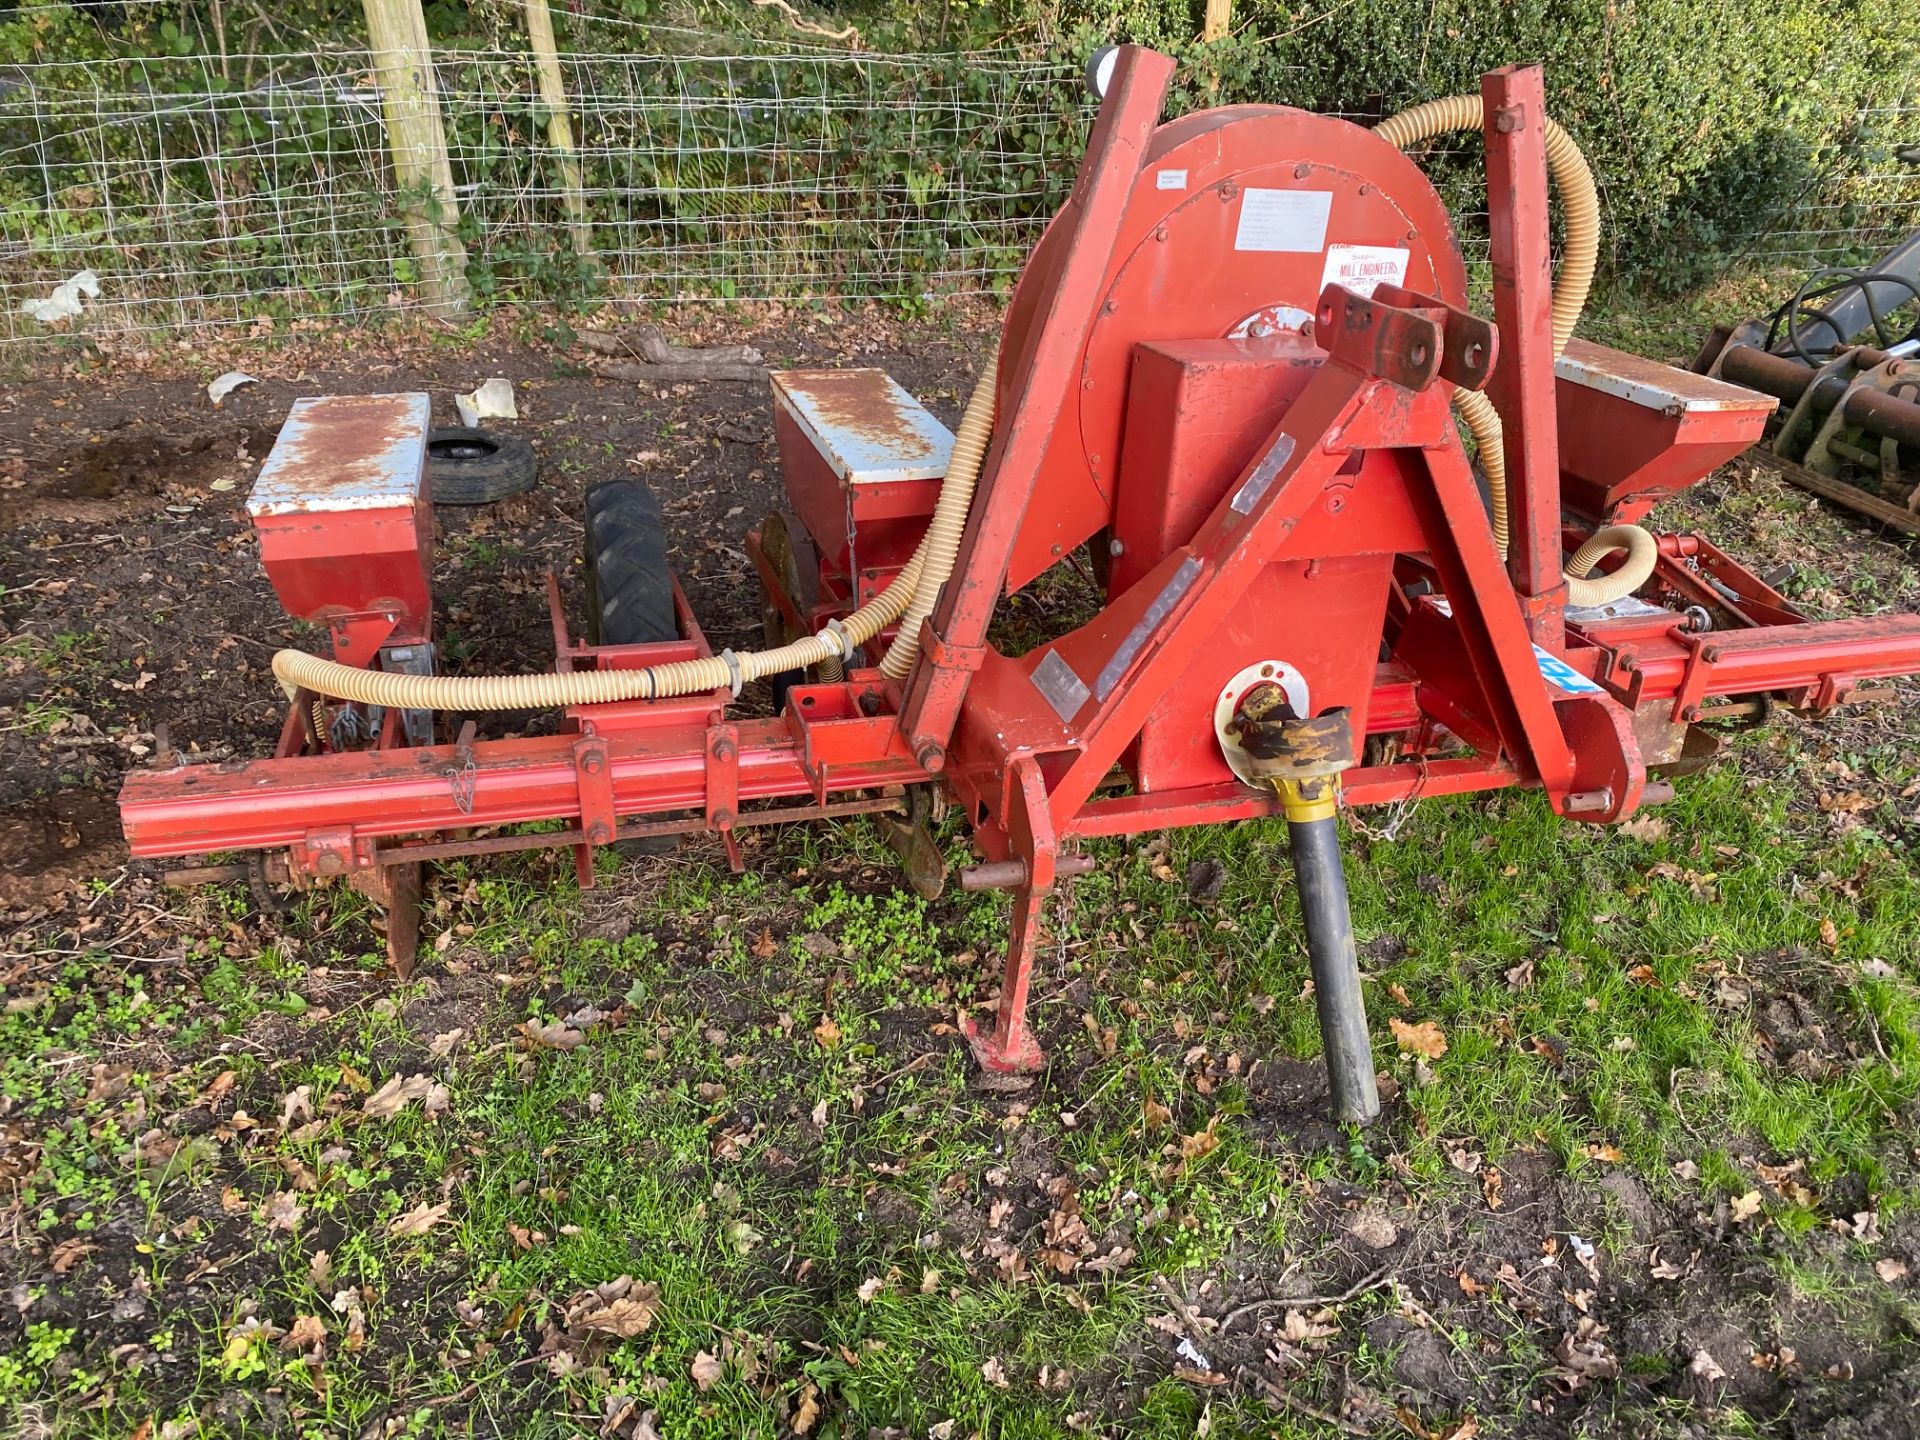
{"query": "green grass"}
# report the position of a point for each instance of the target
(1599, 992)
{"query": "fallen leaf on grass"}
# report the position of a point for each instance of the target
(765, 947)
(869, 1289)
(705, 1371)
(827, 1033)
(1890, 1270)
(442, 1044)
(283, 1210)
(394, 1096)
(995, 1374)
(296, 1107)
(808, 1410)
(557, 1035)
(1645, 827)
(1154, 1114)
(308, 1332)
(1743, 1208)
(1705, 1366)
(1492, 1184)
(627, 1316)
(1426, 1038)
(419, 1220)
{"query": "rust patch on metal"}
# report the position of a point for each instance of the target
(345, 452)
(863, 402)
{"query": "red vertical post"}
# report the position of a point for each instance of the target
(1037, 378)
(1522, 388)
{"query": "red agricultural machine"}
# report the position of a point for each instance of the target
(1231, 368)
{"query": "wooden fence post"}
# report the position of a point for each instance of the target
(1218, 21)
(553, 95)
(403, 61)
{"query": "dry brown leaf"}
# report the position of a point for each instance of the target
(627, 1316)
(1744, 1207)
(557, 1035)
(994, 1373)
(706, 1371)
(765, 948)
(419, 1220)
(808, 1410)
(1645, 827)
(309, 1332)
(827, 1033)
(870, 1288)
(1890, 1270)
(284, 1210)
(1492, 1184)
(394, 1096)
(221, 1087)
(1425, 1039)
(1155, 1114)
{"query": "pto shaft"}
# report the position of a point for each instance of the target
(1314, 835)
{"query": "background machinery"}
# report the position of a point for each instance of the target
(1232, 367)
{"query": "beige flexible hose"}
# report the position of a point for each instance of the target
(942, 542)
(1580, 207)
(1642, 553)
(297, 670)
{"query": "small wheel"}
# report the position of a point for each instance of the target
(476, 467)
(629, 587)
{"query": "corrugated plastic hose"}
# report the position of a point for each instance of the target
(1642, 551)
(926, 571)
(1580, 207)
(942, 542)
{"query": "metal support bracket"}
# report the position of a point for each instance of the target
(593, 773)
(723, 788)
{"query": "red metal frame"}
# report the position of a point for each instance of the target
(1288, 493)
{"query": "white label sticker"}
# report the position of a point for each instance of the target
(1169, 179)
(1291, 220)
(1361, 267)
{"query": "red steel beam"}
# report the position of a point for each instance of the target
(271, 804)
(1522, 387)
(1041, 375)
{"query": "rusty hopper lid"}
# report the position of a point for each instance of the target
(345, 452)
(1651, 385)
(865, 426)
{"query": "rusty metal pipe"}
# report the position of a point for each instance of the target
(1873, 411)
(1012, 874)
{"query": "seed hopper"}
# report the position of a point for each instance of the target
(1232, 375)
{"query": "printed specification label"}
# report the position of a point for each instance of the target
(1289, 220)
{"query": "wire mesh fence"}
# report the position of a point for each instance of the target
(256, 189)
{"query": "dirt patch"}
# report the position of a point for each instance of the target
(51, 844)
(106, 478)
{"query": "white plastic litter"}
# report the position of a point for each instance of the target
(64, 302)
(1186, 1351)
(218, 390)
(492, 401)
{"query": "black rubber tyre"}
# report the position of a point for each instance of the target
(477, 467)
(629, 587)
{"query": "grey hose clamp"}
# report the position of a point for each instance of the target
(839, 634)
(732, 662)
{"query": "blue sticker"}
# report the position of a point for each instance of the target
(1552, 667)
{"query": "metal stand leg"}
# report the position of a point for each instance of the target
(1313, 831)
(396, 888)
(1011, 1048)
